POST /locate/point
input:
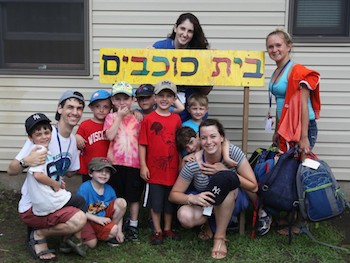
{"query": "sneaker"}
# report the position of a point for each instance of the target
(157, 238)
(264, 224)
(172, 235)
(112, 242)
(126, 224)
(132, 233)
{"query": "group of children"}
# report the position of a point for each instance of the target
(125, 153)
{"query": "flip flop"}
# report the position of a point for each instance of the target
(31, 245)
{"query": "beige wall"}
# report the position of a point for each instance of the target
(230, 24)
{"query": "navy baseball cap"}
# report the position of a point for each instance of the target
(34, 119)
(145, 90)
(221, 184)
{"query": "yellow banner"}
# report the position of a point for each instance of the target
(183, 66)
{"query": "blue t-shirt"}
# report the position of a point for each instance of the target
(190, 123)
(97, 204)
(167, 43)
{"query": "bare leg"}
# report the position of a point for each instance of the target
(119, 211)
(223, 215)
(156, 221)
(191, 216)
(134, 210)
(73, 225)
(168, 218)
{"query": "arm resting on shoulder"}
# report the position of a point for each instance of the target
(34, 158)
(246, 177)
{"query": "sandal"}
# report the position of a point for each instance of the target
(296, 230)
(31, 245)
(77, 246)
(205, 234)
(220, 252)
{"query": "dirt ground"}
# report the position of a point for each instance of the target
(12, 231)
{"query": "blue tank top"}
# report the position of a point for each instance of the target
(279, 89)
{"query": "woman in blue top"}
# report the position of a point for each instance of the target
(187, 33)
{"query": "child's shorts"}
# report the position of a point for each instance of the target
(92, 230)
(127, 183)
(156, 197)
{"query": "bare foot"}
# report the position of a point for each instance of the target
(120, 236)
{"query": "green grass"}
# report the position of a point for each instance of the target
(271, 248)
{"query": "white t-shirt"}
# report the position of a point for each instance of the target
(72, 163)
(44, 199)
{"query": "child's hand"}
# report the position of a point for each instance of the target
(103, 221)
(56, 187)
(122, 112)
(138, 115)
(210, 169)
(226, 154)
(80, 142)
(144, 173)
(190, 158)
(231, 163)
(63, 184)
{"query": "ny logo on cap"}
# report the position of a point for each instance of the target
(36, 116)
(216, 190)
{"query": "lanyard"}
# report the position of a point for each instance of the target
(62, 168)
(273, 83)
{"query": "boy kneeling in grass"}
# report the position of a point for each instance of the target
(105, 211)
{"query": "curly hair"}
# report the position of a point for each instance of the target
(199, 41)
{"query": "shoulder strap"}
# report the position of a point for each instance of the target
(305, 230)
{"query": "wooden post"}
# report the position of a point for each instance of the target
(244, 147)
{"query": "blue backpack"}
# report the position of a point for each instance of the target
(320, 196)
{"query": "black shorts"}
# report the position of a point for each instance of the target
(157, 198)
(127, 183)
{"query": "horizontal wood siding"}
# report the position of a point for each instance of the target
(229, 24)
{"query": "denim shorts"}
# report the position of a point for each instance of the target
(312, 132)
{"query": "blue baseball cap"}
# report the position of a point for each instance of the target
(99, 95)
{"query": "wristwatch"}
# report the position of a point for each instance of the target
(23, 164)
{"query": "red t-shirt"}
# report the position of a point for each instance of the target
(96, 146)
(158, 135)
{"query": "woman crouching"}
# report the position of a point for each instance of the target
(213, 186)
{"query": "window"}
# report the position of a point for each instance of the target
(319, 20)
(44, 37)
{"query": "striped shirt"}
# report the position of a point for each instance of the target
(191, 171)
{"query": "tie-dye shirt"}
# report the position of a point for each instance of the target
(123, 149)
